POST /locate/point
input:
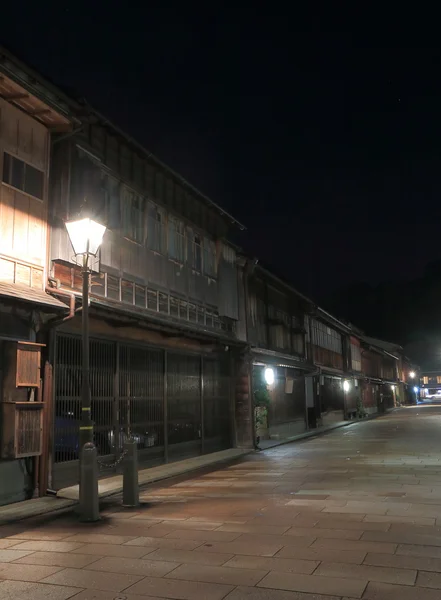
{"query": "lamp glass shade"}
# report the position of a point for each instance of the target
(85, 236)
(269, 376)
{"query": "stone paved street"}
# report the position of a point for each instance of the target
(352, 514)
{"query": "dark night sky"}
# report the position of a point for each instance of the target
(323, 138)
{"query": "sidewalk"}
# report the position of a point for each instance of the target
(68, 497)
(114, 485)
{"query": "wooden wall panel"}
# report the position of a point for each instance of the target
(25, 140)
(23, 136)
(6, 220)
(9, 127)
(23, 218)
(21, 226)
(36, 233)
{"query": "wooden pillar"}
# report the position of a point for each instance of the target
(48, 411)
(244, 403)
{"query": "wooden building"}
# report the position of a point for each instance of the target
(272, 316)
(30, 114)
(164, 304)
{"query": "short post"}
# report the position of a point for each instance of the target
(89, 501)
(130, 474)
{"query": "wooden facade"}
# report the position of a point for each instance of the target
(164, 247)
(23, 217)
(28, 118)
(164, 293)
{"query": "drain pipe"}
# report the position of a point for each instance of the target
(72, 310)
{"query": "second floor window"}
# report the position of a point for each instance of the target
(356, 357)
(133, 216)
(280, 337)
(22, 176)
(176, 239)
(155, 229)
(197, 253)
(209, 258)
(112, 202)
(326, 337)
(298, 343)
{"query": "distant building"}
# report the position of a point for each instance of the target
(430, 385)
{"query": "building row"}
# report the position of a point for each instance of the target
(195, 347)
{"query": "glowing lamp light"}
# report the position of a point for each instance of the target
(392, 387)
(412, 374)
(269, 376)
(415, 389)
(346, 385)
(85, 236)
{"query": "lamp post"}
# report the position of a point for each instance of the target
(86, 236)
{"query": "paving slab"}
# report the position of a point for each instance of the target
(21, 590)
(83, 578)
(249, 593)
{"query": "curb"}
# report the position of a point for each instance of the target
(323, 431)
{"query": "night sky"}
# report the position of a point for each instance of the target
(321, 136)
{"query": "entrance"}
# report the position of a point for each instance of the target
(175, 405)
(332, 401)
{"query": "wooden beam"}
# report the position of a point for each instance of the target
(15, 96)
(40, 111)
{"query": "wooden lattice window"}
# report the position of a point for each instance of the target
(28, 364)
(28, 423)
(22, 427)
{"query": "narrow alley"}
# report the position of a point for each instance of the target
(352, 514)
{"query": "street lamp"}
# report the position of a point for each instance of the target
(412, 374)
(86, 236)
